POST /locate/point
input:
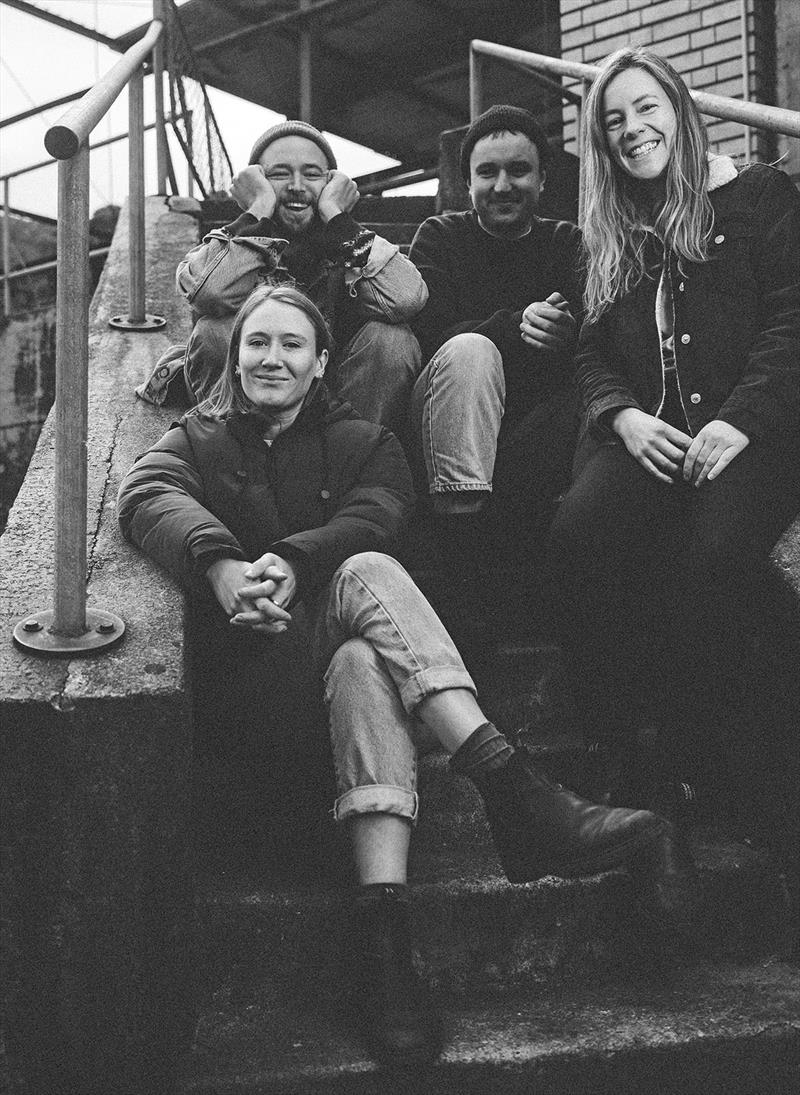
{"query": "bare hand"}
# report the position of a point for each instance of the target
(271, 585)
(548, 324)
(339, 195)
(712, 450)
(657, 446)
(253, 192)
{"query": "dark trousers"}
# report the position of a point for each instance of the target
(659, 588)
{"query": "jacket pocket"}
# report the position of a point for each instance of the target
(729, 269)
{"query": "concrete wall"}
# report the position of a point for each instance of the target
(702, 38)
(97, 750)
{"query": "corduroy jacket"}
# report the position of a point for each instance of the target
(329, 487)
(737, 320)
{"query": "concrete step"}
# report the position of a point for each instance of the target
(474, 931)
(720, 1028)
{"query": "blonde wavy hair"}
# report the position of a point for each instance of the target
(614, 228)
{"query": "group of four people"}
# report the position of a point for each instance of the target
(675, 317)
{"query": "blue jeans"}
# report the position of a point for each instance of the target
(457, 407)
(377, 371)
(383, 650)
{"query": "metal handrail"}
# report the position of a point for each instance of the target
(70, 627)
(758, 115)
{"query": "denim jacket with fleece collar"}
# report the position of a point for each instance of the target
(737, 320)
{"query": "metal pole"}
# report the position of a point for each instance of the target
(745, 75)
(304, 62)
(136, 311)
(581, 141)
(162, 152)
(71, 410)
(476, 70)
(6, 247)
(137, 318)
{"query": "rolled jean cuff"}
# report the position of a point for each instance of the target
(377, 798)
(447, 488)
(437, 678)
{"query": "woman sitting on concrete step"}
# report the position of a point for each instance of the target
(273, 493)
(688, 366)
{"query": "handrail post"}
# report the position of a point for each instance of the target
(476, 71)
(162, 152)
(71, 407)
(71, 628)
(137, 318)
(6, 247)
(136, 243)
(581, 143)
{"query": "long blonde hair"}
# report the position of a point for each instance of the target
(614, 230)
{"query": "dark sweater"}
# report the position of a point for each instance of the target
(483, 284)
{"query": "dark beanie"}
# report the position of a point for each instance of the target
(509, 119)
(293, 129)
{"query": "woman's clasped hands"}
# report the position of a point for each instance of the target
(667, 453)
(253, 594)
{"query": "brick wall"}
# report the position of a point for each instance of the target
(702, 39)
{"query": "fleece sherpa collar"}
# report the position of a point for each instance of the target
(721, 171)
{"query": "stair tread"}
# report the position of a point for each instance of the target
(655, 1034)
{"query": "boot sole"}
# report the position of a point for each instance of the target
(615, 856)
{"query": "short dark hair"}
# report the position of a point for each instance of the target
(504, 119)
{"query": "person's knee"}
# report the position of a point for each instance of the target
(369, 567)
(394, 344)
(470, 353)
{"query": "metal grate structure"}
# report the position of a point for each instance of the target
(192, 117)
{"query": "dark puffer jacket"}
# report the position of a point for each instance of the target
(737, 320)
(329, 487)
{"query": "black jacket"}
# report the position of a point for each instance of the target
(479, 283)
(329, 487)
(737, 320)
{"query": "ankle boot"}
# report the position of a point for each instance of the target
(399, 1021)
(541, 828)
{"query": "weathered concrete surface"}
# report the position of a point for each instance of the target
(97, 750)
(717, 1029)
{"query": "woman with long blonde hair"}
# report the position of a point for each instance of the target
(688, 467)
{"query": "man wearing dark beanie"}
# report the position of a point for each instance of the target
(297, 226)
(494, 408)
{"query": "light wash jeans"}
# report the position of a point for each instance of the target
(457, 407)
(383, 650)
(377, 371)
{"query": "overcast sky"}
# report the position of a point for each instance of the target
(40, 62)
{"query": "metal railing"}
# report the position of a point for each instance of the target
(70, 627)
(756, 115)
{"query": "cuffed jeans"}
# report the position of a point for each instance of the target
(377, 371)
(457, 406)
(383, 650)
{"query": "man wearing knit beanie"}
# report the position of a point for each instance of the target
(296, 226)
(493, 410)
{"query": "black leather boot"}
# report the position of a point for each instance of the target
(541, 828)
(399, 1021)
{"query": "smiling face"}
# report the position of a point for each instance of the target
(640, 124)
(298, 172)
(504, 183)
(278, 358)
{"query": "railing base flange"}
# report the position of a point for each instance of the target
(149, 323)
(103, 629)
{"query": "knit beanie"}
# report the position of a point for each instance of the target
(293, 129)
(504, 118)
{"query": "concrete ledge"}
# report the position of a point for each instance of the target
(98, 750)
